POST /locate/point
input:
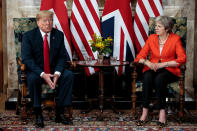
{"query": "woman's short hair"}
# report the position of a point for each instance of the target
(166, 21)
(43, 13)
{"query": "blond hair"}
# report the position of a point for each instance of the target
(43, 13)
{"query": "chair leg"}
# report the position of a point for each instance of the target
(24, 112)
(181, 93)
(133, 92)
(17, 104)
(181, 101)
(70, 111)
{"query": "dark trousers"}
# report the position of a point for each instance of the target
(65, 84)
(159, 81)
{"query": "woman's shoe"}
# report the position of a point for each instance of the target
(161, 124)
(141, 122)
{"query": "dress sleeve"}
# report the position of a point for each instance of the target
(144, 51)
(180, 52)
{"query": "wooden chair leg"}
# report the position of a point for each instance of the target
(17, 104)
(24, 111)
(70, 111)
(133, 91)
(181, 93)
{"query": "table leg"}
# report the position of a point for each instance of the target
(101, 93)
(84, 111)
(113, 95)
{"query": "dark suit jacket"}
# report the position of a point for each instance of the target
(172, 51)
(32, 51)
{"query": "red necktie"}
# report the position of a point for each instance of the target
(46, 55)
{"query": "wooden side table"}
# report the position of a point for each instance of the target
(101, 66)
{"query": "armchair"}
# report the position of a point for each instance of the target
(22, 25)
(179, 28)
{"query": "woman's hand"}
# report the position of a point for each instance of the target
(156, 66)
(167, 64)
(172, 64)
(164, 64)
(161, 65)
(152, 66)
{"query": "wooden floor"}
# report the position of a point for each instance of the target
(2, 102)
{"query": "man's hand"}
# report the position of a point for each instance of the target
(47, 78)
(55, 78)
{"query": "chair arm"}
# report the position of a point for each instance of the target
(136, 66)
(23, 78)
(22, 66)
(182, 68)
(72, 64)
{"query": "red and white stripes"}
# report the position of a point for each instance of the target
(84, 23)
(144, 10)
(60, 20)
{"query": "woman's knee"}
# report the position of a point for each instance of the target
(148, 76)
(160, 80)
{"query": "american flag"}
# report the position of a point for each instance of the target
(84, 23)
(60, 19)
(144, 10)
(117, 23)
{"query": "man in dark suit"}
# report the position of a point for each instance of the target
(45, 56)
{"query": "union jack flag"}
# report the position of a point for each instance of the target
(84, 23)
(60, 19)
(117, 23)
(144, 10)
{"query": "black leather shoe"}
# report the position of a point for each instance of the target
(141, 122)
(39, 121)
(62, 119)
(161, 124)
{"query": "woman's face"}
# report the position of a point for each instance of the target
(160, 29)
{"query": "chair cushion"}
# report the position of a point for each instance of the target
(173, 89)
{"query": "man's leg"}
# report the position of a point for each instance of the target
(34, 82)
(65, 83)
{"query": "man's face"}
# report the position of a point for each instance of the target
(45, 23)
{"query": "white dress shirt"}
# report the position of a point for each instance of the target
(48, 39)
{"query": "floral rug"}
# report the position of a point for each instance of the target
(9, 121)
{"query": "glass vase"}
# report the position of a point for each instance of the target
(100, 58)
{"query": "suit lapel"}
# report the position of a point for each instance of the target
(52, 44)
(166, 46)
(39, 39)
(157, 45)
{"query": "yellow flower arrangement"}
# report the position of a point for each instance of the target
(100, 45)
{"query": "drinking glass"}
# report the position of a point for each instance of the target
(113, 60)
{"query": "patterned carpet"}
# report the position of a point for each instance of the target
(9, 121)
